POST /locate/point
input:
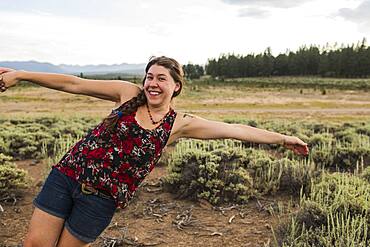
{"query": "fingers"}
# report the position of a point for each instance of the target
(292, 140)
(302, 150)
(2, 85)
(299, 142)
(4, 70)
(298, 149)
(296, 145)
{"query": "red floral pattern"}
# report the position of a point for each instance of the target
(117, 162)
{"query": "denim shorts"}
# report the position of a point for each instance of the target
(86, 216)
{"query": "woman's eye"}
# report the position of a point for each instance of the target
(162, 79)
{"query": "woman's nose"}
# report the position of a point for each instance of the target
(153, 83)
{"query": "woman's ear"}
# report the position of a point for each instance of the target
(177, 87)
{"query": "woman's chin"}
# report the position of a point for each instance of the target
(156, 101)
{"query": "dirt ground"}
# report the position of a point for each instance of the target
(154, 218)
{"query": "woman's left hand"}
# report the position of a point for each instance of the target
(3, 85)
(296, 145)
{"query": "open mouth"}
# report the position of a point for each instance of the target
(154, 93)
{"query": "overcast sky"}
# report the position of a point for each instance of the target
(115, 31)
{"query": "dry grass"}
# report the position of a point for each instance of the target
(206, 101)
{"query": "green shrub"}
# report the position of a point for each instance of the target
(210, 171)
(11, 178)
(366, 174)
(312, 215)
(297, 176)
(320, 139)
(226, 171)
(322, 155)
(363, 130)
(346, 135)
(342, 155)
(24, 138)
(347, 155)
(335, 213)
(5, 160)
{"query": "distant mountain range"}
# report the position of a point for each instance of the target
(123, 68)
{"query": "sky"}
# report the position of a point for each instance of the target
(130, 31)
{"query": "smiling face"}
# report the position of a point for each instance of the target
(159, 86)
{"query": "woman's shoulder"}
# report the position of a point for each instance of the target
(182, 119)
(127, 98)
(184, 116)
(130, 93)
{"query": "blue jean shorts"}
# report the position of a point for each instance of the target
(86, 216)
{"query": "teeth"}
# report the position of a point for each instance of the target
(153, 93)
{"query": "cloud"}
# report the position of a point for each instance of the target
(268, 3)
(253, 13)
(107, 11)
(259, 9)
(359, 15)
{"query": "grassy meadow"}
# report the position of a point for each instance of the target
(329, 199)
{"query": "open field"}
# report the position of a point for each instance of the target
(156, 217)
(210, 101)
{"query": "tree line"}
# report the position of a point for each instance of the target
(345, 61)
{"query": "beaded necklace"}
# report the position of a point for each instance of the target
(151, 117)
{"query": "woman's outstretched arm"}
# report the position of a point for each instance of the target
(113, 90)
(190, 126)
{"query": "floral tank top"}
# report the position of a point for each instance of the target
(116, 162)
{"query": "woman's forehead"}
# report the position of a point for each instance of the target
(158, 69)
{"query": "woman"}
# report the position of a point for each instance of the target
(102, 171)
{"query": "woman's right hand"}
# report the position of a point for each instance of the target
(296, 145)
(8, 78)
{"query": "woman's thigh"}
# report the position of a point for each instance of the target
(84, 216)
(44, 229)
(53, 205)
(66, 239)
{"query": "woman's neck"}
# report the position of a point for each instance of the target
(157, 109)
